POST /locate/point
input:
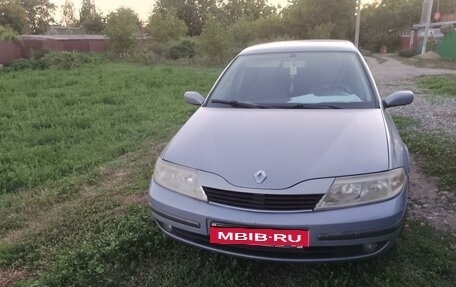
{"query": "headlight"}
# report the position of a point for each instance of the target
(178, 178)
(357, 190)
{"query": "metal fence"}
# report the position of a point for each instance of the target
(447, 47)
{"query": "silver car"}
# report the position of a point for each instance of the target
(291, 157)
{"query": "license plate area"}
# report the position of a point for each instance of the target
(270, 237)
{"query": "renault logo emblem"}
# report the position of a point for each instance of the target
(260, 176)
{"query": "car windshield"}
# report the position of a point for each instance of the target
(301, 80)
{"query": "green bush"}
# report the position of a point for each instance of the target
(45, 59)
(142, 55)
(22, 64)
(185, 49)
(160, 48)
(38, 54)
(408, 53)
(8, 34)
(373, 40)
(63, 60)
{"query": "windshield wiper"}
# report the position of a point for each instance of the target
(242, 104)
(238, 104)
(305, 106)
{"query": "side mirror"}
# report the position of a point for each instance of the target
(400, 98)
(193, 98)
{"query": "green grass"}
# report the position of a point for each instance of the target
(99, 231)
(428, 63)
(436, 153)
(129, 251)
(441, 85)
(57, 124)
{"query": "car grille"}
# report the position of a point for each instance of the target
(258, 201)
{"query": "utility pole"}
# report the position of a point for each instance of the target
(358, 22)
(428, 23)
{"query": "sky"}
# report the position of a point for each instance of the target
(142, 7)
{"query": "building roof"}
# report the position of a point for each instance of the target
(60, 30)
(64, 37)
(435, 24)
(298, 46)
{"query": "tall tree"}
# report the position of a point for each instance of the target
(122, 28)
(306, 18)
(213, 39)
(254, 9)
(13, 15)
(68, 14)
(192, 12)
(166, 26)
(87, 10)
(381, 22)
(39, 15)
(89, 18)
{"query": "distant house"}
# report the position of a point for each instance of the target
(413, 37)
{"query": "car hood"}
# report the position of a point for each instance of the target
(290, 146)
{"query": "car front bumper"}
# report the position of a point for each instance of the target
(335, 235)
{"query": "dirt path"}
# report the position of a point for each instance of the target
(427, 202)
(393, 70)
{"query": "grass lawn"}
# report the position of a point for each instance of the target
(436, 153)
(440, 85)
(78, 148)
(56, 124)
(428, 63)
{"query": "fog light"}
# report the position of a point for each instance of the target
(369, 247)
(168, 227)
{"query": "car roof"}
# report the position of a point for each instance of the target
(301, 46)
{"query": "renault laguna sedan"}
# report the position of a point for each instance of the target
(292, 156)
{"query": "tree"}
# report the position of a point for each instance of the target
(241, 33)
(271, 27)
(305, 18)
(322, 31)
(213, 39)
(95, 24)
(87, 10)
(382, 21)
(39, 15)
(233, 10)
(90, 19)
(192, 12)
(13, 15)
(8, 34)
(68, 11)
(122, 28)
(166, 26)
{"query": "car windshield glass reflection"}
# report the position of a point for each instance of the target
(295, 80)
